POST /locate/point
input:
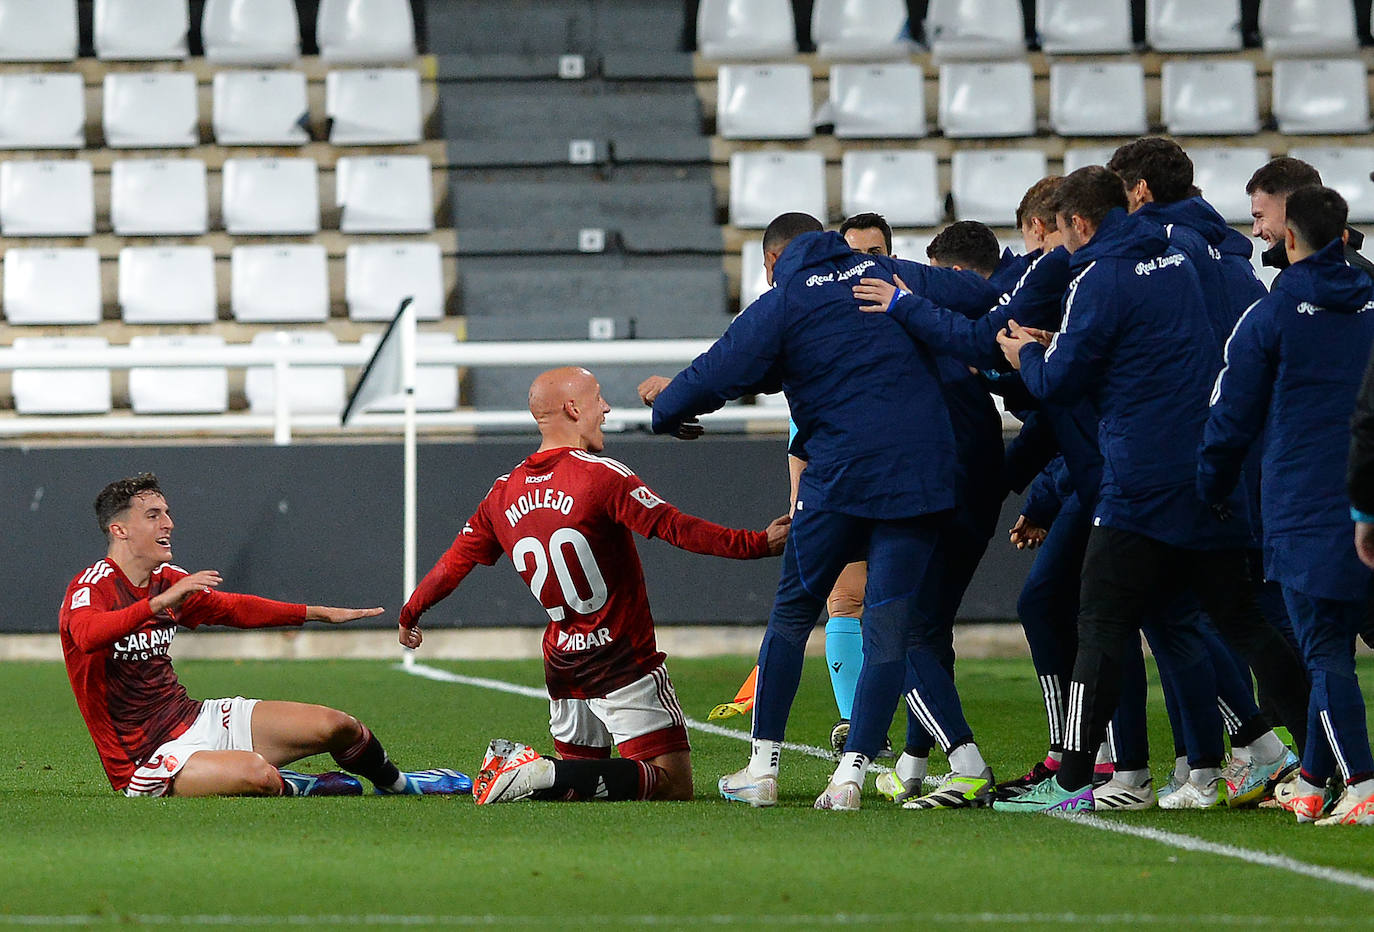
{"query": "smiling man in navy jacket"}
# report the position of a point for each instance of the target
(1135, 340)
(1293, 367)
(874, 428)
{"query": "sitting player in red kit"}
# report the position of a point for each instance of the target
(117, 622)
(565, 517)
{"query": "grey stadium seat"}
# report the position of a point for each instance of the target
(579, 204)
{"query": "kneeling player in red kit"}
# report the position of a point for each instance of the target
(117, 622)
(565, 517)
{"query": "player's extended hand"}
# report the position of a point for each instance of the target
(1026, 536)
(1016, 338)
(777, 534)
(689, 429)
(179, 591)
(411, 637)
(650, 387)
(337, 616)
(878, 293)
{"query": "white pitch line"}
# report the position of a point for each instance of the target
(506, 920)
(1172, 839)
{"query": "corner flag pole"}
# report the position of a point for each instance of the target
(408, 547)
(389, 373)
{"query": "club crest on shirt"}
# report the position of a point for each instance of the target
(81, 598)
(646, 498)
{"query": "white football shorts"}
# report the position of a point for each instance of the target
(642, 720)
(222, 725)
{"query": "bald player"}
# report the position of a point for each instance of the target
(564, 517)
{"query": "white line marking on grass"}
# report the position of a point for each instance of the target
(1173, 839)
(1097, 920)
(1190, 843)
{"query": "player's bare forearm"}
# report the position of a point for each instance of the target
(338, 616)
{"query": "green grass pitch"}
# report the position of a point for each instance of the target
(72, 853)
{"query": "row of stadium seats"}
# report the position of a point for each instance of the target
(987, 184)
(269, 283)
(990, 99)
(260, 196)
(310, 389)
(233, 31)
(980, 29)
(149, 110)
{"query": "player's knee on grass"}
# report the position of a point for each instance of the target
(675, 775)
(227, 773)
(261, 778)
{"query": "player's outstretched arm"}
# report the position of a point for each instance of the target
(337, 616)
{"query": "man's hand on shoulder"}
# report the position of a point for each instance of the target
(777, 534)
(337, 616)
(878, 293)
(184, 588)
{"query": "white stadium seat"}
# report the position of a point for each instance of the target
(1193, 25)
(746, 29)
(1308, 27)
(167, 285)
(174, 389)
(753, 277)
(987, 99)
(38, 30)
(266, 196)
(142, 30)
(1321, 96)
(1068, 27)
(1345, 168)
(766, 184)
(365, 30)
(764, 102)
(1222, 173)
(385, 193)
(988, 184)
(436, 386)
(52, 286)
(62, 391)
(378, 276)
(878, 101)
(975, 29)
(1210, 98)
(901, 185)
(47, 198)
(1076, 157)
(42, 111)
(278, 283)
(260, 108)
(860, 28)
(251, 32)
(151, 110)
(309, 389)
(376, 107)
(158, 197)
(1098, 99)
(911, 247)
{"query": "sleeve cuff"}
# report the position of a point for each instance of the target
(1363, 517)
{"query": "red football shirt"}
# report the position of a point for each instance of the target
(116, 654)
(564, 517)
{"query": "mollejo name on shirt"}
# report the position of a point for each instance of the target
(549, 498)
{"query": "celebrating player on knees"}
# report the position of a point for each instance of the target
(564, 517)
(117, 623)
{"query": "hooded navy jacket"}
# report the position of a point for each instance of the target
(1293, 368)
(1219, 254)
(868, 402)
(1135, 341)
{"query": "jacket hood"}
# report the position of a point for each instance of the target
(810, 249)
(1326, 280)
(1122, 236)
(1192, 212)
(1236, 243)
